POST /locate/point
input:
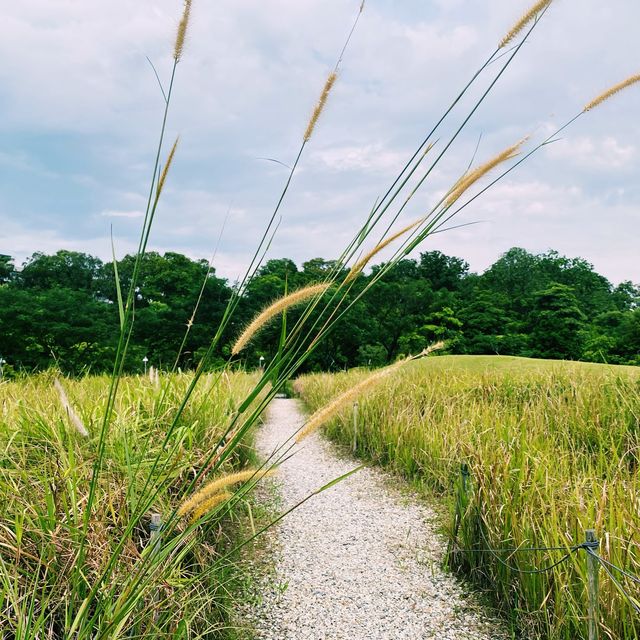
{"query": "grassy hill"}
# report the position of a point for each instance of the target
(514, 365)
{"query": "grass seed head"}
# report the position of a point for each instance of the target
(436, 346)
(530, 15)
(182, 31)
(631, 80)
(324, 414)
(167, 166)
(273, 310)
(206, 506)
(362, 263)
(471, 177)
(328, 85)
(215, 486)
(74, 418)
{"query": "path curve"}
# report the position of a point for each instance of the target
(360, 561)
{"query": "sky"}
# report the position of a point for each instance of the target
(80, 112)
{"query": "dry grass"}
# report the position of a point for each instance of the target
(553, 450)
(45, 477)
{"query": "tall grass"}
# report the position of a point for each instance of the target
(45, 471)
(552, 450)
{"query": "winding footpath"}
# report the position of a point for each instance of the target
(358, 561)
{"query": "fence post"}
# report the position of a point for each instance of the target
(154, 542)
(355, 425)
(592, 586)
(154, 530)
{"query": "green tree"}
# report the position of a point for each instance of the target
(317, 269)
(487, 322)
(40, 328)
(556, 324)
(515, 276)
(628, 339)
(7, 270)
(65, 269)
(592, 291)
(168, 290)
(442, 271)
(63, 307)
(371, 355)
(399, 302)
(438, 325)
(626, 296)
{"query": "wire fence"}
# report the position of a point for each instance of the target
(590, 546)
(609, 567)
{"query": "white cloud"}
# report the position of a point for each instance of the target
(21, 242)
(81, 93)
(122, 214)
(368, 157)
(604, 153)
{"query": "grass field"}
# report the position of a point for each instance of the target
(48, 567)
(84, 464)
(552, 450)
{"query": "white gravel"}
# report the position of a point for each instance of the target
(358, 561)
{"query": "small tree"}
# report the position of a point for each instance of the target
(7, 270)
(556, 323)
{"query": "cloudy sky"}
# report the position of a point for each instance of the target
(80, 110)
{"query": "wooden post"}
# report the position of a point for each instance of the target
(355, 426)
(592, 587)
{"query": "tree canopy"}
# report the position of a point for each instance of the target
(62, 309)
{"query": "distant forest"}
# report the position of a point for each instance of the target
(60, 310)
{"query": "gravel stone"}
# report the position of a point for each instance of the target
(360, 561)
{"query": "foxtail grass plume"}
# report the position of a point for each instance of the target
(182, 31)
(210, 503)
(273, 310)
(217, 485)
(631, 80)
(471, 177)
(154, 376)
(324, 414)
(328, 85)
(167, 166)
(362, 263)
(530, 15)
(74, 418)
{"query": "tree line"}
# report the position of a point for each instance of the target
(61, 310)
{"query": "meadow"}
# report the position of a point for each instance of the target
(51, 560)
(551, 450)
(120, 495)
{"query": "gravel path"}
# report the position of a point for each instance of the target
(358, 561)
